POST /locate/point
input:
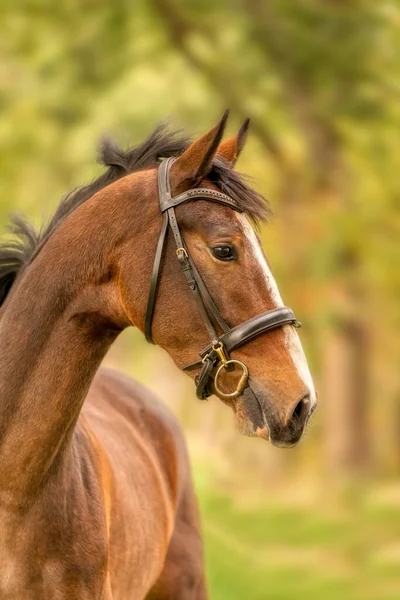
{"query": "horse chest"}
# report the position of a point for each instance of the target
(14, 565)
(41, 567)
(51, 579)
(12, 577)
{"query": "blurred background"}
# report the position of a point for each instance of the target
(320, 80)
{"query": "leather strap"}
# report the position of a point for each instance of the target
(151, 302)
(183, 258)
(164, 191)
(214, 195)
(246, 331)
(166, 200)
(208, 299)
(203, 389)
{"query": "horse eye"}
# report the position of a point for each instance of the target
(224, 252)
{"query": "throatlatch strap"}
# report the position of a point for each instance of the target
(164, 191)
(151, 302)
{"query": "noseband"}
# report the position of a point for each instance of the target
(231, 338)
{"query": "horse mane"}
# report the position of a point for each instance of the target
(15, 255)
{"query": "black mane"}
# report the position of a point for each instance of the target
(15, 255)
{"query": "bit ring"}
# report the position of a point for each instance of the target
(242, 381)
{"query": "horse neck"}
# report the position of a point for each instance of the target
(54, 333)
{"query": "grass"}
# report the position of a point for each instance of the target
(283, 552)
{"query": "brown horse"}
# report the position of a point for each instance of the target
(96, 500)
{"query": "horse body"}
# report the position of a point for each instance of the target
(96, 499)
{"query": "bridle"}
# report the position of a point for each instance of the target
(231, 338)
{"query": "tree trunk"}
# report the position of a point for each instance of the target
(344, 401)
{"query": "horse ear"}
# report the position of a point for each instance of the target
(231, 148)
(195, 163)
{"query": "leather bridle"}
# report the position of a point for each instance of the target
(231, 338)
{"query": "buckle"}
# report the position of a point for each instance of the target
(219, 349)
(185, 254)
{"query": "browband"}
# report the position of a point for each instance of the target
(231, 338)
(213, 195)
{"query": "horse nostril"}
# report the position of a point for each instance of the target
(300, 413)
(287, 431)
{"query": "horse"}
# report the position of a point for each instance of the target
(96, 496)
